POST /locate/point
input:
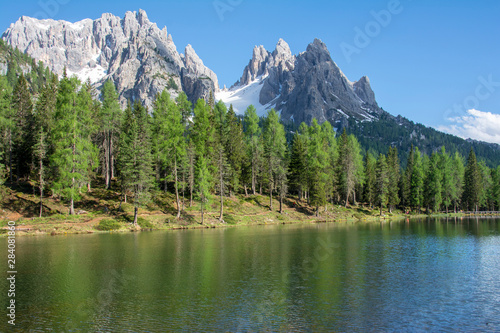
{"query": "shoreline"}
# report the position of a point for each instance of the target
(66, 228)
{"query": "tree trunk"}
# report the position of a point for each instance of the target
(177, 189)
(72, 207)
(40, 180)
(253, 179)
(106, 160)
(135, 215)
(202, 220)
(41, 200)
(10, 155)
(111, 159)
(281, 204)
(270, 196)
(380, 210)
(246, 191)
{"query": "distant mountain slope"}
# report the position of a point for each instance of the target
(140, 58)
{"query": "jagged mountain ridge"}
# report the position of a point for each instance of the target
(309, 85)
(140, 58)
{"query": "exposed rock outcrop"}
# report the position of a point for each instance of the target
(140, 58)
(309, 85)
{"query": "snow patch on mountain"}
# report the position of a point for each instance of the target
(241, 97)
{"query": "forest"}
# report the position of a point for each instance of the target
(61, 135)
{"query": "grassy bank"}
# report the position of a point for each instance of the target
(102, 211)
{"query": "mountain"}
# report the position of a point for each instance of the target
(140, 58)
(309, 85)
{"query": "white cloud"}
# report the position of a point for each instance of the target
(478, 125)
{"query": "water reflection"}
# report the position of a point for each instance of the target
(429, 274)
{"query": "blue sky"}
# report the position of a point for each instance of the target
(428, 60)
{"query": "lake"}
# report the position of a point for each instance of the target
(430, 274)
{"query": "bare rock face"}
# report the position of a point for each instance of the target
(309, 85)
(140, 58)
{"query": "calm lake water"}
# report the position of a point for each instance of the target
(437, 275)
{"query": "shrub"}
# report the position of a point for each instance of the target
(108, 225)
(143, 223)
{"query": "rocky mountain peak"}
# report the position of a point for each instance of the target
(309, 85)
(282, 51)
(195, 65)
(140, 58)
(364, 91)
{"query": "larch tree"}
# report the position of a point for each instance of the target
(382, 183)
(202, 137)
(135, 158)
(74, 152)
(350, 166)
(170, 145)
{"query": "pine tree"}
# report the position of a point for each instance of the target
(406, 179)
(168, 129)
(274, 152)
(7, 127)
(394, 177)
(433, 184)
(203, 183)
(185, 107)
(457, 179)
(370, 179)
(350, 166)
(417, 177)
(110, 117)
(496, 187)
(43, 125)
(382, 182)
(24, 133)
(472, 183)
(202, 137)
(486, 189)
(252, 135)
(319, 163)
(223, 168)
(74, 152)
(298, 165)
(235, 149)
(135, 158)
(445, 166)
